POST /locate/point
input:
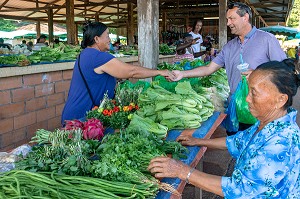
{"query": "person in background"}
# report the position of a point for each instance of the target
(267, 153)
(30, 45)
(3, 45)
(99, 72)
(117, 45)
(210, 54)
(41, 42)
(184, 50)
(23, 44)
(56, 41)
(196, 33)
(250, 46)
(207, 43)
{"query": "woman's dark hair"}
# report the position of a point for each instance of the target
(285, 76)
(194, 26)
(90, 31)
(242, 9)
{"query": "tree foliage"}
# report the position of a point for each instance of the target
(294, 18)
(7, 25)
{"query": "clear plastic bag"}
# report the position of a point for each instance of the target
(7, 160)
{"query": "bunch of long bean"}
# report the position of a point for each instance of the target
(46, 185)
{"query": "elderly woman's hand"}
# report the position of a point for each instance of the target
(167, 167)
(187, 140)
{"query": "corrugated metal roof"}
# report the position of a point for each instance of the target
(115, 11)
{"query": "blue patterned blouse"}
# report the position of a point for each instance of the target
(268, 165)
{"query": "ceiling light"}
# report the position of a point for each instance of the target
(211, 18)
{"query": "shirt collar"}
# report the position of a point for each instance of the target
(250, 34)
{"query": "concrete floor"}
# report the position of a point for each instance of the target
(219, 162)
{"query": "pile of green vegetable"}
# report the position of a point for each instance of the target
(119, 160)
(50, 185)
(164, 49)
(14, 60)
(184, 64)
(125, 156)
(59, 53)
(183, 109)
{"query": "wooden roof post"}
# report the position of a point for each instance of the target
(76, 34)
(222, 23)
(148, 33)
(70, 22)
(50, 25)
(130, 24)
(38, 29)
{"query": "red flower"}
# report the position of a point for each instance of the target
(110, 112)
(116, 109)
(130, 107)
(105, 112)
(137, 107)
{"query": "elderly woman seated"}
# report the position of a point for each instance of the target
(267, 154)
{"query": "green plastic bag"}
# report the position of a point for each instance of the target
(241, 106)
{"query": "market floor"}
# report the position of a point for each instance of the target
(219, 162)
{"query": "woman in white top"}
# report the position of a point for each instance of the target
(196, 33)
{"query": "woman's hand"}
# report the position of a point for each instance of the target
(167, 74)
(167, 167)
(187, 140)
(178, 75)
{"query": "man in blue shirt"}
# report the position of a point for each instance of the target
(251, 46)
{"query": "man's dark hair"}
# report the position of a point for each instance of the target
(43, 36)
(242, 9)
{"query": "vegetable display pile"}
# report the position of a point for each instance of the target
(50, 185)
(60, 151)
(184, 109)
(125, 156)
(59, 53)
(184, 64)
(64, 159)
(164, 49)
(14, 60)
